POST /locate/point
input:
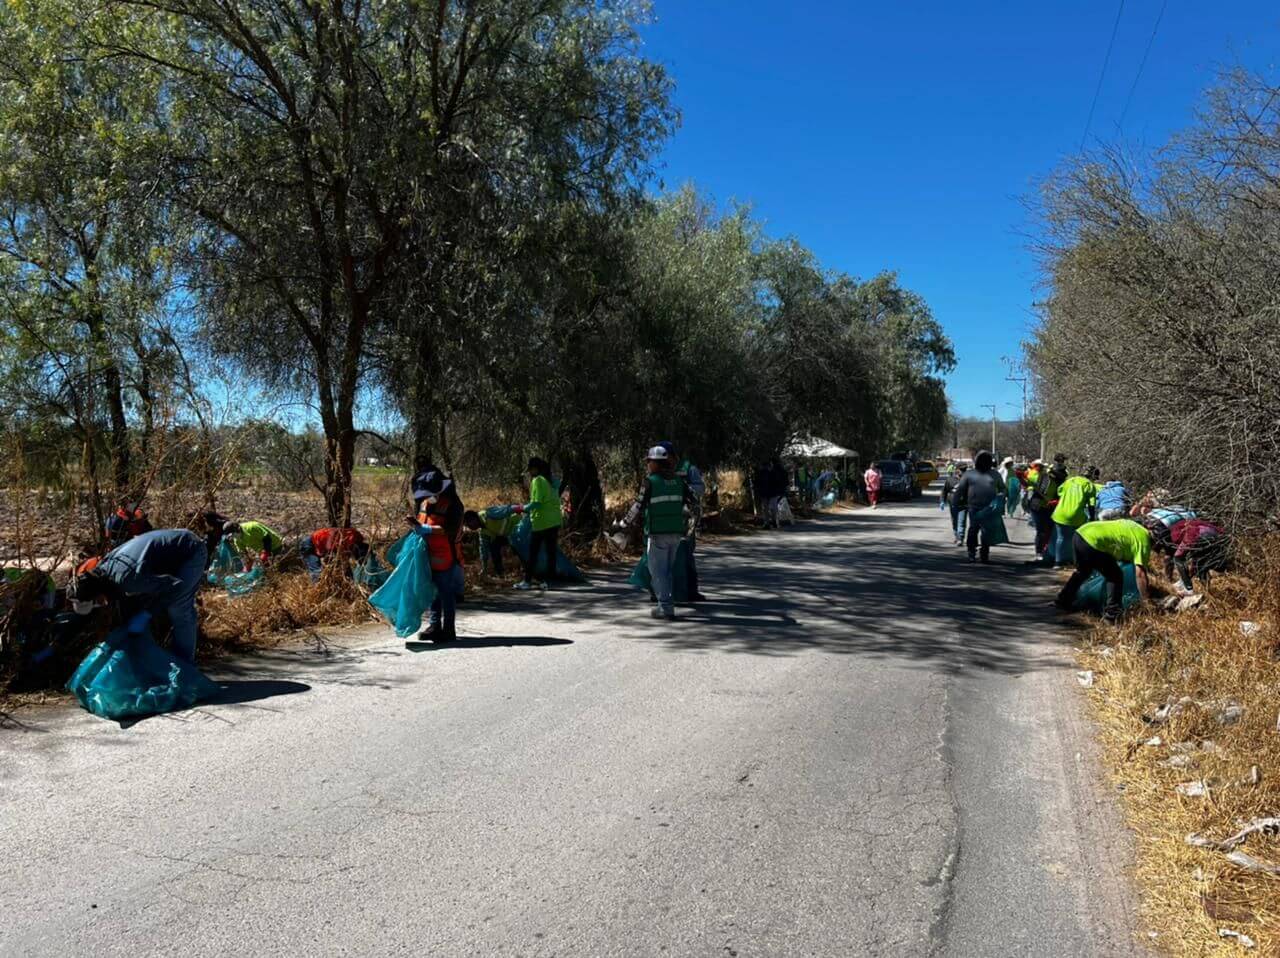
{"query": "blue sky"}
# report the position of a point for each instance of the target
(904, 135)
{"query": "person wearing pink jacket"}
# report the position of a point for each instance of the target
(872, 478)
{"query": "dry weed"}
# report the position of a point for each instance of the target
(1217, 685)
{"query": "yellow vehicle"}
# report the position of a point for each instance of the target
(926, 473)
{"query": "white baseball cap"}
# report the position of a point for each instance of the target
(657, 454)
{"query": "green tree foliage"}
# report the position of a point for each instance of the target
(85, 242)
(1158, 341)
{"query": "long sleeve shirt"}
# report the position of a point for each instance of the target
(149, 564)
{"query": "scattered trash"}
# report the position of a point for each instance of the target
(1085, 678)
(1231, 713)
(1169, 603)
(1259, 826)
(1176, 761)
(1170, 709)
(1237, 935)
(1106, 652)
(1198, 874)
(1249, 863)
(1255, 775)
(1154, 742)
(1189, 602)
(1250, 628)
(1197, 789)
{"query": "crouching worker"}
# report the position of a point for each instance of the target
(495, 526)
(323, 544)
(1193, 547)
(1101, 547)
(439, 522)
(159, 570)
(663, 499)
(254, 541)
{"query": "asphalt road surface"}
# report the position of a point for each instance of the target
(862, 745)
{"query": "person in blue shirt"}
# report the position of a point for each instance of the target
(1114, 501)
(159, 571)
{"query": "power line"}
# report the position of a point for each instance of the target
(1145, 53)
(1102, 76)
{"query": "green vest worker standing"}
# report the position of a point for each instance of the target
(662, 499)
(545, 520)
(1077, 503)
(1101, 547)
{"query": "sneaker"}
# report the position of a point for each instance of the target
(655, 613)
(523, 586)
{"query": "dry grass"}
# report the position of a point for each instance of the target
(1202, 660)
(287, 602)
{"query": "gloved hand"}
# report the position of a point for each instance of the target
(139, 623)
(518, 509)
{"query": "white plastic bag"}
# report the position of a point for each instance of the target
(784, 513)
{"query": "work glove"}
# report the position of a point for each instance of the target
(139, 623)
(518, 509)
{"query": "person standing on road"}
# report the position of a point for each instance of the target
(439, 522)
(692, 477)
(663, 499)
(1101, 547)
(1077, 502)
(872, 478)
(1043, 500)
(977, 490)
(959, 516)
(545, 519)
(159, 570)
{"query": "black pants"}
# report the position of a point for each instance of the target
(1209, 556)
(971, 537)
(545, 539)
(1088, 561)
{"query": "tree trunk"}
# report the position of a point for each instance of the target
(586, 495)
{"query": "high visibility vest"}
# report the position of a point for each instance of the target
(665, 514)
(441, 551)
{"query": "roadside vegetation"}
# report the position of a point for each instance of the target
(1155, 357)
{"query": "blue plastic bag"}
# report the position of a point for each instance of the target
(1014, 485)
(1092, 596)
(371, 573)
(397, 548)
(129, 676)
(227, 572)
(565, 569)
(641, 579)
(408, 592)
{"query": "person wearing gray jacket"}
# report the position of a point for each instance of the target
(977, 490)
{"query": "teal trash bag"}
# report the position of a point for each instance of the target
(408, 592)
(227, 572)
(371, 573)
(829, 499)
(680, 590)
(225, 563)
(1092, 596)
(565, 569)
(990, 520)
(1015, 484)
(397, 548)
(129, 676)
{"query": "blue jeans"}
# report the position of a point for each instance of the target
(959, 518)
(661, 553)
(448, 583)
(1063, 553)
(181, 606)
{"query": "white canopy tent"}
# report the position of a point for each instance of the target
(813, 448)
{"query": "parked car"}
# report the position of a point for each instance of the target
(897, 480)
(926, 474)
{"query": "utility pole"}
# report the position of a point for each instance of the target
(992, 407)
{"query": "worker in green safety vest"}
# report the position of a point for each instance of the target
(495, 525)
(663, 499)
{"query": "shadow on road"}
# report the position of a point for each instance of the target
(886, 584)
(489, 642)
(254, 690)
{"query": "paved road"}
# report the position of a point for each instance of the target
(862, 746)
